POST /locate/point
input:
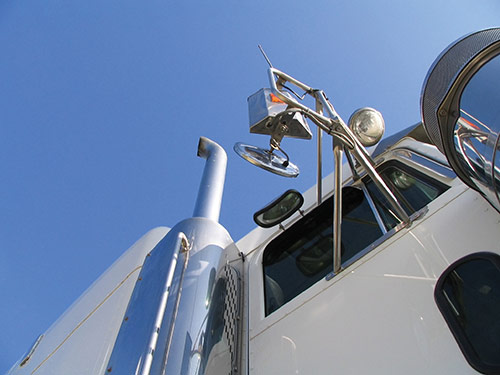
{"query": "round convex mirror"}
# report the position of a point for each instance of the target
(266, 160)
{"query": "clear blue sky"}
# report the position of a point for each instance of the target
(102, 104)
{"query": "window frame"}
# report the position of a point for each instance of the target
(387, 233)
(458, 333)
(299, 226)
(409, 170)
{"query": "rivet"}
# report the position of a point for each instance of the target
(126, 318)
(109, 369)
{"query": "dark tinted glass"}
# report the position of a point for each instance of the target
(413, 189)
(304, 253)
(468, 295)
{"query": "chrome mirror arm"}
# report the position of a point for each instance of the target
(342, 137)
(337, 128)
(319, 157)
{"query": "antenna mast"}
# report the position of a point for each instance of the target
(265, 56)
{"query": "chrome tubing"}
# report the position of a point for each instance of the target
(342, 136)
(335, 126)
(319, 170)
(337, 207)
(173, 315)
(318, 118)
(209, 200)
(166, 322)
(187, 329)
(362, 156)
(364, 159)
(139, 336)
(182, 244)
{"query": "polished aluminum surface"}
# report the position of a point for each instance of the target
(266, 112)
(154, 301)
(319, 157)
(199, 309)
(137, 338)
(165, 326)
(175, 310)
(209, 198)
(337, 208)
(181, 245)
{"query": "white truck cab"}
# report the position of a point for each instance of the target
(389, 265)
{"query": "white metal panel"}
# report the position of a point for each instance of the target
(81, 340)
(379, 315)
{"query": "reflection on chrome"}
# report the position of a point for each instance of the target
(469, 136)
(476, 133)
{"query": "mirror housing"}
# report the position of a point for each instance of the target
(279, 210)
(460, 110)
(266, 112)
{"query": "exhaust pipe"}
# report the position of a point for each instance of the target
(209, 200)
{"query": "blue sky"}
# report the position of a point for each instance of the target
(102, 104)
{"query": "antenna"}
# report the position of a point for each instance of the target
(265, 56)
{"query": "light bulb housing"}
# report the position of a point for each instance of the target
(368, 126)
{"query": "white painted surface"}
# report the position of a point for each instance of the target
(81, 340)
(379, 315)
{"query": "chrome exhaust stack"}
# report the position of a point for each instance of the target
(185, 288)
(209, 198)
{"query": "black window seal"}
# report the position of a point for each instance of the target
(460, 337)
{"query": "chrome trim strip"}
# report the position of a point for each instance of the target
(185, 251)
(337, 208)
(425, 162)
(28, 355)
(413, 158)
(342, 136)
(319, 166)
(417, 215)
(137, 339)
(166, 320)
(374, 209)
(181, 244)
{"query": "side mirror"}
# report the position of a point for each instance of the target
(461, 111)
(279, 210)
